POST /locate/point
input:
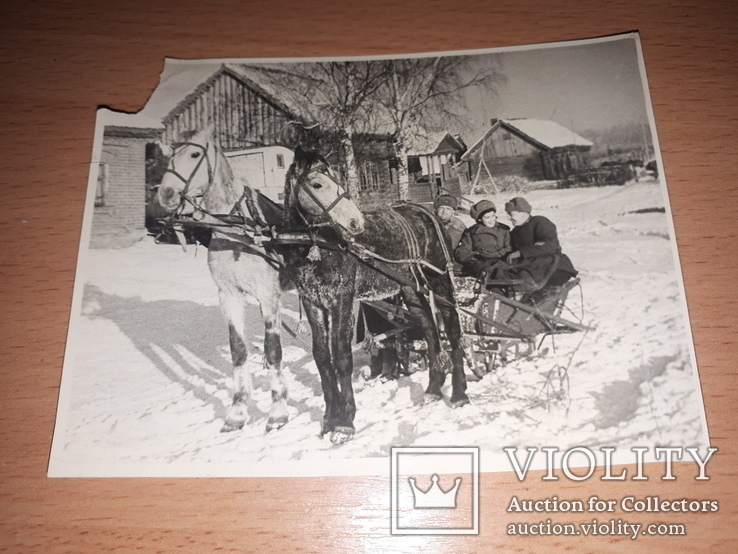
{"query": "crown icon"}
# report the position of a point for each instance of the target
(434, 497)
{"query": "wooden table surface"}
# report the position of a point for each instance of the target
(60, 60)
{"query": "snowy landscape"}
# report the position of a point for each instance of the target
(147, 376)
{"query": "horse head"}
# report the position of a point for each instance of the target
(196, 165)
(313, 195)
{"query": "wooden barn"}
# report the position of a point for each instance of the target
(259, 131)
(531, 148)
(434, 172)
(243, 114)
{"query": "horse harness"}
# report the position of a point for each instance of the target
(251, 228)
(323, 169)
(188, 181)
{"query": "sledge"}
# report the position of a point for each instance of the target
(498, 325)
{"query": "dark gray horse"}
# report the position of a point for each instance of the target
(369, 255)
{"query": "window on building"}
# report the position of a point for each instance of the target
(280, 161)
(374, 172)
(363, 178)
(102, 185)
(369, 176)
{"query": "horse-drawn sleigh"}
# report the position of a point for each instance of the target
(336, 255)
(497, 324)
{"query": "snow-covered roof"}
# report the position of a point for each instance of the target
(424, 143)
(547, 134)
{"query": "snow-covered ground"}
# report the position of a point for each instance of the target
(147, 376)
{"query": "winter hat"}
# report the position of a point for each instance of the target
(518, 204)
(445, 200)
(481, 208)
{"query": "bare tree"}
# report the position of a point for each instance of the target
(405, 98)
(423, 95)
(337, 97)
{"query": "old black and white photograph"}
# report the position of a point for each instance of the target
(289, 267)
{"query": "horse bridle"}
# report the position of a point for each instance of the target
(184, 197)
(323, 169)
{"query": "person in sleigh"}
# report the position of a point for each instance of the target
(535, 258)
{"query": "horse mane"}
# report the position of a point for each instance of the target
(297, 173)
(272, 212)
(223, 197)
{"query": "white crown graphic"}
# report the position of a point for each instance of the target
(434, 497)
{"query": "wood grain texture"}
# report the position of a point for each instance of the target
(60, 60)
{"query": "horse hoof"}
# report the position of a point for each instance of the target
(235, 418)
(459, 402)
(431, 397)
(342, 435)
(276, 423)
(229, 426)
(478, 373)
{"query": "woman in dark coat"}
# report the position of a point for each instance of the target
(536, 255)
(485, 243)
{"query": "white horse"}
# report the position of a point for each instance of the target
(199, 182)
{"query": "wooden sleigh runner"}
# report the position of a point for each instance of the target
(501, 327)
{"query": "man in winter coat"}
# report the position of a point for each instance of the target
(485, 243)
(536, 255)
(444, 207)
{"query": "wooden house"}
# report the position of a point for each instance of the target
(434, 172)
(244, 115)
(378, 166)
(531, 148)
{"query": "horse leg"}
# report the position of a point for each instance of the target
(233, 309)
(341, 327)
(419, 306)
(271, 313)
(319, 325)
(458, 378)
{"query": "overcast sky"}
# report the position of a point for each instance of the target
(590, 86)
